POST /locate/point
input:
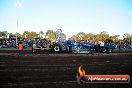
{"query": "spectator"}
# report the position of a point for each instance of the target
(20, 48)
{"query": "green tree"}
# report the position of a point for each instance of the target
(115, 38)
(74, 38)
(4, 34)
(90, 37)
(41, 33)
(1, 34)
(81, 36)
(33, 35)
(102, 36)
(127, 38)
(19, 35)
(63, 36)
(11, 35)
(30, 35)
(50, 34)
(26, 34)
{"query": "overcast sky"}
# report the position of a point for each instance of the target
(72, 16)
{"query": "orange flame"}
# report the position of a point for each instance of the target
(81, 71)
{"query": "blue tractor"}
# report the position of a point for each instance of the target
(74, 47)
(82, 47)
(79, 47)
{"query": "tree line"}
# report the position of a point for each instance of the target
(103, 36)
(81, 36)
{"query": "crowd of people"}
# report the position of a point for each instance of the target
(7, 43)
(27, 43)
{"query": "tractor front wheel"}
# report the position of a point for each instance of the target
(56, 48)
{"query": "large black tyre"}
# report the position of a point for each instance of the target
(103, 50)
(69, 49)
(109, 50)
(56, 48)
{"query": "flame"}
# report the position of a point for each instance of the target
(81, 71)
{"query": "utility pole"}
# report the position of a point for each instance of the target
(18, 5)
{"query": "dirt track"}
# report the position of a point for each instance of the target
(59, 70)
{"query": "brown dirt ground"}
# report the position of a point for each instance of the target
(59, 70)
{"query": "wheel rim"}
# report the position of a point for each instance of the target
(104, 50)
(56, 48)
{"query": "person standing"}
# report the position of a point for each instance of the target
(20, 48)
